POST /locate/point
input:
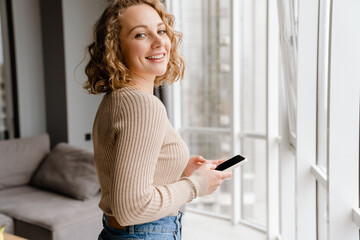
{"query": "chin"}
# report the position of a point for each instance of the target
(161, 72)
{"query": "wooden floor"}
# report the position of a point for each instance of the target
(199, 227)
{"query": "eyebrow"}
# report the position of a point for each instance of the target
(144, 26)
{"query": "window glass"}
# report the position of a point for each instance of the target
(253, 67)
(207, 95)
(254, 111)
(212, 146)
(209, 145)
(254, 182)
(207, 49)
(206, 99)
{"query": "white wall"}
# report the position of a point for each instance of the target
(29, 67)
(78, 20)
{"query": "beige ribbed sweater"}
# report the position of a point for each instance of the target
(140, 160)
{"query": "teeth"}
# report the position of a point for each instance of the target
(156, 56)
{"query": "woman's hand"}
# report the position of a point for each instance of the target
(194, 163)
(214, 178)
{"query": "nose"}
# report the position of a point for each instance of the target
(157, 41)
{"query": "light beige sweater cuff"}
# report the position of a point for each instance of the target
(200, 182)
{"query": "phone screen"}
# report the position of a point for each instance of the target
(231, 162)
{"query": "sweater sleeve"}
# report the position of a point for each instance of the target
(140, 132)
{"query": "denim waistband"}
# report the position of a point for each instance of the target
(165, 224)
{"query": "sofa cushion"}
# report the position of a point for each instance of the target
(19, 158)
(68, 170)
(46, 209)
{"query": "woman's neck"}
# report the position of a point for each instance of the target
(144, 85)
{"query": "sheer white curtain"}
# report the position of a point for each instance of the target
(287, 10)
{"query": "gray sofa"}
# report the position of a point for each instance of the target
(48, 195)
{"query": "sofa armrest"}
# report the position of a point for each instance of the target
(9, 223)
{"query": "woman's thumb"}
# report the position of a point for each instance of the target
(212, 166)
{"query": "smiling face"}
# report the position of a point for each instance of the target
(144, 43)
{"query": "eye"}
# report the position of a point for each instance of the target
(140, 35)
(161, 32)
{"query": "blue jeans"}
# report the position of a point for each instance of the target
(163, 229)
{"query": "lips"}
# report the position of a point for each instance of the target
(155, 57)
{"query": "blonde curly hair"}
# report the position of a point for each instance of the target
(106, 70)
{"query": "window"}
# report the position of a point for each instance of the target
(228, 102)
(222, 102)
(327, 136)
(206, 106)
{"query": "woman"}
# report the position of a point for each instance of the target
(143, 166)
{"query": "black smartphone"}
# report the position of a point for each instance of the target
(231, 163)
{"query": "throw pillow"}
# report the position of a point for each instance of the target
(68, 170)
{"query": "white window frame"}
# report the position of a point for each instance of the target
(305, 156)
(344, 96)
